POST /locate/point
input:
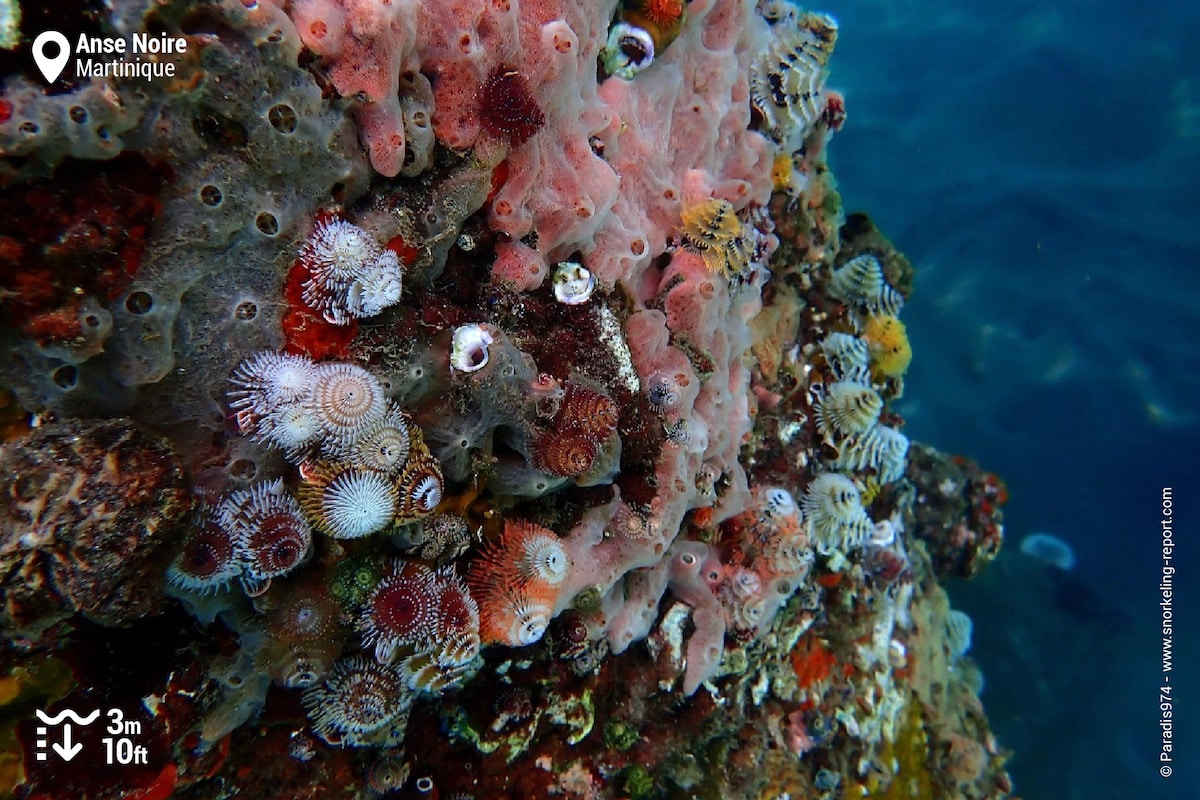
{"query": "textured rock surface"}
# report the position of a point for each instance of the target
(89, 514)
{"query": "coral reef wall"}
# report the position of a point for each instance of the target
(471, 398)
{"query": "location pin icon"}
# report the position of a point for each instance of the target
(51, 67)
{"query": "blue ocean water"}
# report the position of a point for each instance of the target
(1040, 164)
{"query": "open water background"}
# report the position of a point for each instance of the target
(1040, 164)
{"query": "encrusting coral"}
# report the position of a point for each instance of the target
(519, 394)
